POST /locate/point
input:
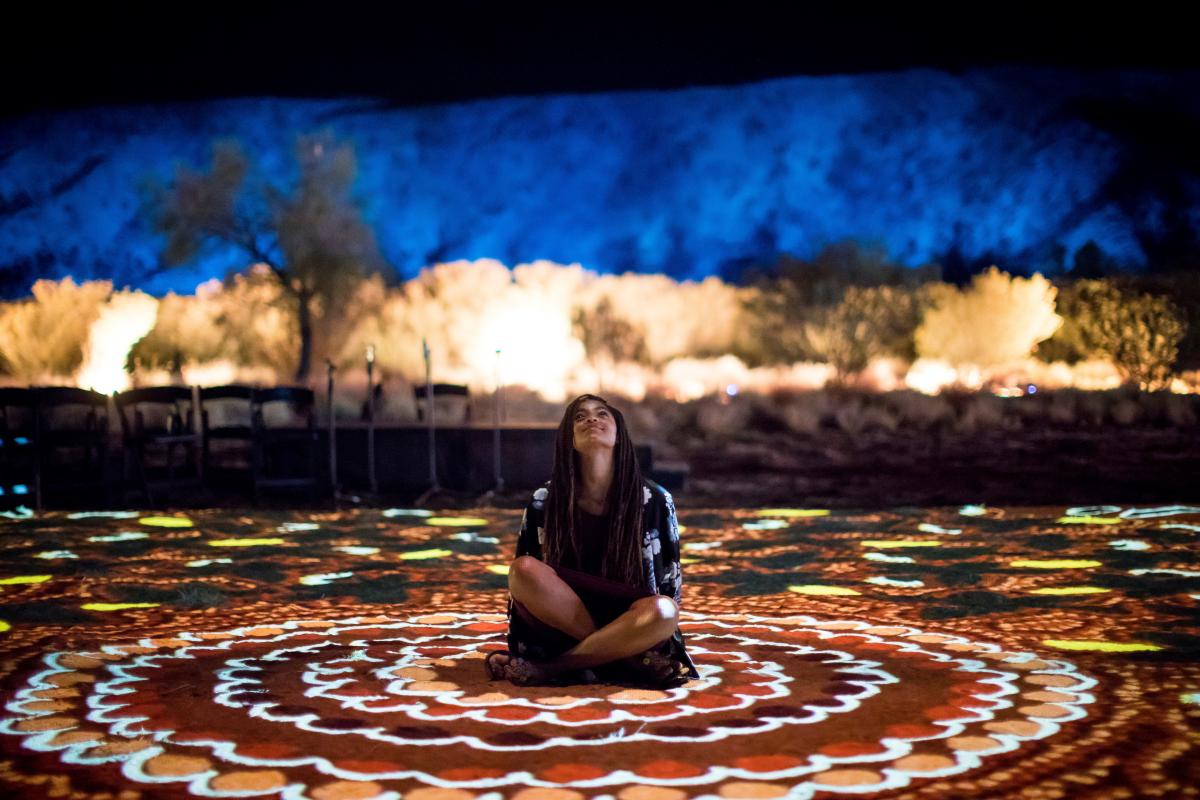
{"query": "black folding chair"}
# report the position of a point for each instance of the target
(452, 401)
(157, 424)
(18, 448)
(73, 442)
(226, 421)
(285, 439)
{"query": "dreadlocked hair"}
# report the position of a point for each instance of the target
(623, 555)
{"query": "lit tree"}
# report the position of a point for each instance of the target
(869, 322)
(1139, 333)
(607, 337)
(997, 319)
(311, 238)
(45, 335)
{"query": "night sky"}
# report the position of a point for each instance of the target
(487, 132)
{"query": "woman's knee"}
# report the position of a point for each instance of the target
(525, 572)
(659, 610)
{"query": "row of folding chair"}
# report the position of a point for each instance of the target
(58, 440)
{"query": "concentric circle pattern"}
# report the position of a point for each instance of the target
(400, 706)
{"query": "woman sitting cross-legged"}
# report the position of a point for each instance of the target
(595, 588)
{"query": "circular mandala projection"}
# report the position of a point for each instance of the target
(387, 707)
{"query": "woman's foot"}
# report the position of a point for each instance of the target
(503, 665)
(658, 669)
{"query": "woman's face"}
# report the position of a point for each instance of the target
(594, 427)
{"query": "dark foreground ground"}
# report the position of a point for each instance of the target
(948, 652)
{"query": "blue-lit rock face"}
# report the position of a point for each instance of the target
(997, 163)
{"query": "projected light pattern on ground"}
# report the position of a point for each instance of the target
(344, 660)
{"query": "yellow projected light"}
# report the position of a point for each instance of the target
(819, 590)
(1096, 646)
(166, 522)
(1067, 590)
(456, 522)
(20, 579)
(243, 542)
(498, 569)
(1054, 563)
(1089, 520)
(116, 606)
(887, 544)
(794, 513)
(417, 555)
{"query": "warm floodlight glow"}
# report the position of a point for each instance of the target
(126, 318)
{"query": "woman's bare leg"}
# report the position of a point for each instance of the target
(536, 585)
(647, 623)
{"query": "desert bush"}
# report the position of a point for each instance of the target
(869, 322)
(806, 311)
(247, 320)
(1138, 332)
(666, 314)
(45, 335)
(997, 319)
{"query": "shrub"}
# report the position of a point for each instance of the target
(45, 335)
(997, 319)
(869, 322)
(1138, 332)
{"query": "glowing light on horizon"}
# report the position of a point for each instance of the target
(245, 542)
(1054, 563)
(123, 320)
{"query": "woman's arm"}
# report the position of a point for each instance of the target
(671, 581)
(529, 540)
